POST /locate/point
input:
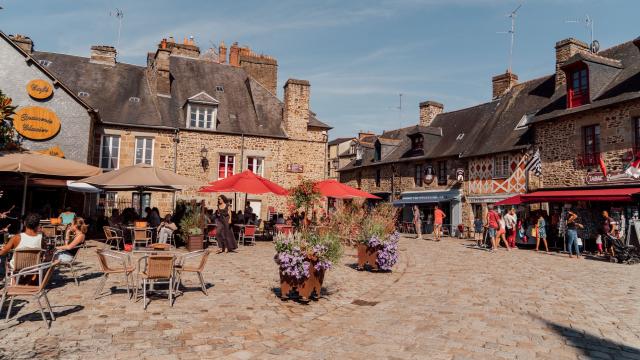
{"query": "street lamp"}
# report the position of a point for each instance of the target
(204, 162)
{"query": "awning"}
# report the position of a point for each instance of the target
(427, 197)
(82, 187)
(514, 200)
(624, 194)
(488, 198)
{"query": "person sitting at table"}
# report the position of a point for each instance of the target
(66, 217)
(115, 220)
(31, 238)
(67, 252)
(166, 228)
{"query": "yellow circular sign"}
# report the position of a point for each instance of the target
(39, 89)
(36, 123)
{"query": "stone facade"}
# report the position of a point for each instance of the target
(503, 83)
(340, 155)
(561, 143)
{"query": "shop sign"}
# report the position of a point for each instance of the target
(295, 168)
(428, 174)
(460, 174)
(36, 123)
(39, 89)
(613, 177)
(52, 151)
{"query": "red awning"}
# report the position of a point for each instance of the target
(514, 200)
(624, 194)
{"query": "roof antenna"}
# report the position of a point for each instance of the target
(399, 108)
(511, 32)
(119, 14)
(594, 45)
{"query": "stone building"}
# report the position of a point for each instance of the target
(341, 151)
(202, 116)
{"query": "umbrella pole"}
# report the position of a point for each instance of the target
(24, 194)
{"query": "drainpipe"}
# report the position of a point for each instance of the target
(176, 140)
(235, 195)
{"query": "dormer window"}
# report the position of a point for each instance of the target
(417, 142)
(578, 86)
(202, 112)
(378, 151)
(359, 152)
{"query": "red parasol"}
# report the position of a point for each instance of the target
(333, 188)
(246, 182)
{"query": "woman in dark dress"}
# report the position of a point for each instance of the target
(224, 234)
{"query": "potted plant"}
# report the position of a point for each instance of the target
(191, 226)
(303, 258)
(378, 242)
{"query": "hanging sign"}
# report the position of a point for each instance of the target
(39, 89)
(613, 177)
(36, 123)
(295, 168)
(428, 174)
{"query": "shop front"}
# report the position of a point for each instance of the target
(449, 201)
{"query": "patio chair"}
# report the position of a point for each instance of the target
(44, 271)
(142, 235)
(112, 236)
(155, 269)
(125, 267)
(22, 258)
(51, 235)
(182, 267)
(210, 236)
(284, 229)
(70, 264)
(446, 230)
(249, 232)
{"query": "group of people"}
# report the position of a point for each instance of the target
(438, 220)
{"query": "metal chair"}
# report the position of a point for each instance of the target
(211, 234)
(51, 235)
(44, 272)
(446, 230)
(112, 235)
(126, 267)
(22, 258)
(182, 267)
(249, 232)
(74, 253)
(155, 269)
(284, 229)
(142, 235)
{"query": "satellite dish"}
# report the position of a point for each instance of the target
(595, 46)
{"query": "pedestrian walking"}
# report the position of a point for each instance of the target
(492, 226)
(541, 232)
(478, 227)
(224, 233)
(438, 219)
(511, 220)
(501, 235)
(572, 233)
(417, 221)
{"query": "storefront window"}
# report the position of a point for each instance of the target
(226, 166)
(109, 152)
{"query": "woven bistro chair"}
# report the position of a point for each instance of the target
(183, 267)
(23, 258)
(51, 235)
(142, 235)
(44, 271)
(154, 269)
(125, 267)
(112, 235)
(249, 232)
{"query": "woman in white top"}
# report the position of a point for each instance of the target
(29, 239)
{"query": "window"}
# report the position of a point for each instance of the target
(352, 149)
(202, 117)
(144, 151)
(359, 179)
(378, 151)
(146, 202)
(501, 168)
(442, 172)
(377, 177)
(417, 177)
(329, 169)
(578, 87)
(417, 142)
(359, 152)
(591, 136)
(226, 166)
(109, 152)
(636, 126)
(256, 165)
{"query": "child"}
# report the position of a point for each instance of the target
(580, 246)
(477, 228)
(599, 244)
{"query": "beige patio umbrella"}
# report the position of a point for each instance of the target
(29, 163)
(140, 178)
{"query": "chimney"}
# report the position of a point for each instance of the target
(188, 48)
(222, 53)
(158, 67)
(234, 55)
(428, 111)
(564, 50)
(296, 108)
(24, 42)
(103, 54)
(503, 83)
(262, 68)
(363, 134)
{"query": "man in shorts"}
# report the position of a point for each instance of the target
(492, 226)
(438, 218)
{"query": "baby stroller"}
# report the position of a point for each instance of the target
(624, 254)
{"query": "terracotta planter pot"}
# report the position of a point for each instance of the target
(306, 287)
(367, 255)
(195, 242)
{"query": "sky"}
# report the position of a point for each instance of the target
(359, 55)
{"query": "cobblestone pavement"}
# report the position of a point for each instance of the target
(443, 301)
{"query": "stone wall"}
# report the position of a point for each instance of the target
(561, 142)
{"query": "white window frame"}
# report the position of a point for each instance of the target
(208, 110)
(111, 137)
(253, 160)
(226, 163)
(505, 166)
(144, 152)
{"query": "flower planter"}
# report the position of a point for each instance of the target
(367, 255)
(304, 287)
(195, 242)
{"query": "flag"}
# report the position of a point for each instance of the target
(603, 167)
(634, 168)
(534, 164)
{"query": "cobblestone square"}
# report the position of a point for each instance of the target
(443, 301)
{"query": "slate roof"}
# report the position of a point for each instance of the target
(339, 141)
(245, 106)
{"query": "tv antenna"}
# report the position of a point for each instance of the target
(512, 15)
(594, 45)
(119, 14)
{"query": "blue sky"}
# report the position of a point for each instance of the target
(358, 54)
